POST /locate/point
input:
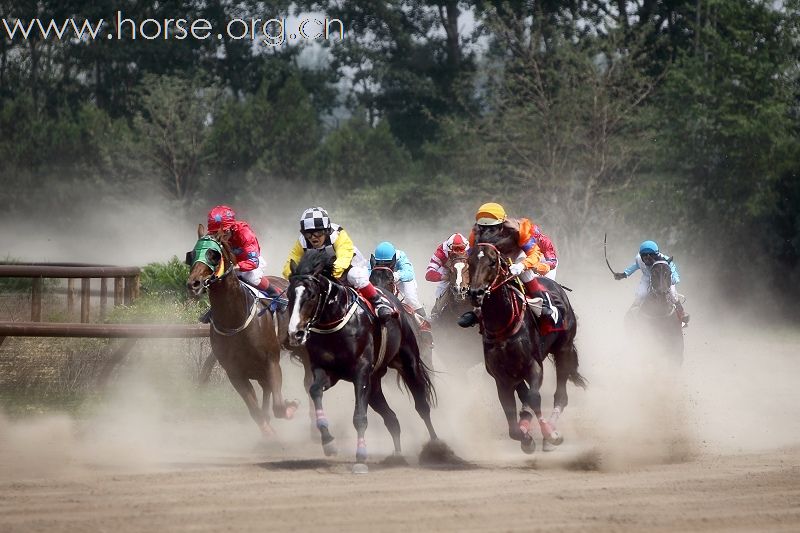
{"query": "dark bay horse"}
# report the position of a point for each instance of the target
(383, 277)
(514, 350)
(656, 318)
(345, 341)
(243, 339)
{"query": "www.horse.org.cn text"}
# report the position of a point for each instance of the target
(265, 31)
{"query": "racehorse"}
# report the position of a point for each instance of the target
(656, 317)
(453, 302)
(383, 277)
(345, 340)
(514, 349)
(243, 340)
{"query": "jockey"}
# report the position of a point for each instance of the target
(649, 254)
(548, 250)
(515, 239)
(317, 232)
(244, 245)
(387, 255)
(455, 245)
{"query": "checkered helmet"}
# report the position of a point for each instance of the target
(315, 218)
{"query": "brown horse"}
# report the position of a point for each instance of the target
(243, 337)
(454, 301)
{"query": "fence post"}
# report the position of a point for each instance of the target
(117, 291)
(136, 283)
(128, 290)
(85, 299)
(103, 296)
(36, 300)
(70, 297)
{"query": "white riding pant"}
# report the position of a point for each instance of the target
(253, 277)
(551, 274)
(409, 291)
(358, 274)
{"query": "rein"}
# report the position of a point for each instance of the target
(517, 308)
(335, 325)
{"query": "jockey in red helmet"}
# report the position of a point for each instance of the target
(250, 265)
(455, 245)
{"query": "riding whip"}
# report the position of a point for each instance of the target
(605, 252)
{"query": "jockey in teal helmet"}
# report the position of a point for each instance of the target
(387, 255)
(648, 254)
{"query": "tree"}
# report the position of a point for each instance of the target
(172, 129)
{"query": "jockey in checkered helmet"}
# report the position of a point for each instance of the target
(317, 232)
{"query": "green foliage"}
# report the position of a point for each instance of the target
(165, 279)
(358, 155)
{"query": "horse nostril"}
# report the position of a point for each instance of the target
(298, 334)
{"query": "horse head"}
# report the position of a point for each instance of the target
(458, 275)
(383, 277)
(660, 278)
(309, 287)
(487, 271)
(210, 261)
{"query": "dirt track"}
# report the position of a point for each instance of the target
(716, 448)
(738, 492)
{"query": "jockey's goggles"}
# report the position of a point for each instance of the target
(456, 249)
(316, 233)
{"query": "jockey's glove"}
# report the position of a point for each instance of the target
(620, 275)
(516, 269)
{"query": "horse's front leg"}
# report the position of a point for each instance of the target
(248, 394)
(505, 393)
(319, 384)
(361, 384)
(280, 407)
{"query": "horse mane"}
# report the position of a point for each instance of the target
(315, 262)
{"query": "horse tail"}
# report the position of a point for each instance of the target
(415, 371)
(572, 368)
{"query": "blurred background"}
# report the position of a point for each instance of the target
(675, 121)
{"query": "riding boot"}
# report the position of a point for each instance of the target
(538, 300)
(682, 314)
(468, 319)
(205, 318)
(383, 309)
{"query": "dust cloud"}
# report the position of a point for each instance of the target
(736, 391)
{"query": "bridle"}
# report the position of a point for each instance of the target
(323, 295)
(502, 277)
(391, 276)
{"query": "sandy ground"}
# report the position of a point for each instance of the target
(713, 447)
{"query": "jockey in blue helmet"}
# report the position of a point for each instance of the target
(387, 255)
(649, 254)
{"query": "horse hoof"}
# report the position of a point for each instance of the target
(528, 445)
(556, 438)
(548, 446)
(360, 468)
(291, 408)
(330, 449)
